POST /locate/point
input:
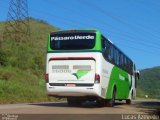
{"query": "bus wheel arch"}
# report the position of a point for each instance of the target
(114, 90)
(111, 102)
(129, 101)
(132, 95)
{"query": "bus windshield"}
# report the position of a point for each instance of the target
(72, 41)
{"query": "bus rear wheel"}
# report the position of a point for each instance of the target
(111, 102)
(74, 101)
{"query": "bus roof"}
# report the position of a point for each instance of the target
(75, 30)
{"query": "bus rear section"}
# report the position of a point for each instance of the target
(71, 66)
(73, 78)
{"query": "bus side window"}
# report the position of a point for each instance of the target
(130, 67)
(121, 60)
(125, 63)
(110, 53)
(117, 57)
(114, 55)
(103, 44)
(105, 48)
(108, 50)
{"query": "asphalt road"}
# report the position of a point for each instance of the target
(61, 110)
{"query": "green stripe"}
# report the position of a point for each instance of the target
(123, 86)
(80, 73)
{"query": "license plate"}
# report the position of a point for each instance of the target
(71, 85)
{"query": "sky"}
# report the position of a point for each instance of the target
(132, 25)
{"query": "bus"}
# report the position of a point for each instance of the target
(83, 65)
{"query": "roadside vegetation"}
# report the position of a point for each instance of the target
(149, 85)
(22, 66)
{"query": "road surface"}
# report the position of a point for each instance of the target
(151, 107)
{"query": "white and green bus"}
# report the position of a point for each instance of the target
(84, 65)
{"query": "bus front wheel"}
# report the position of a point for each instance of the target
(129, 101)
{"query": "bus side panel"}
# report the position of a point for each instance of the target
(106, 69)
(119, 79)
(132, 94)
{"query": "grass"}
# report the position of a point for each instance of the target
(21, 86)
(22, 66)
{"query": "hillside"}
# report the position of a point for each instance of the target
(149, 84)
(22, 65)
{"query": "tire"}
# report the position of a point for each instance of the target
(101, 102)
(111, 102)
(128, 101)
(74, 101)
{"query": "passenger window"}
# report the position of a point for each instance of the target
(103, 44)
(104, 48)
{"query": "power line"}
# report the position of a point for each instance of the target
(154, 44)
(59, 20)
(97, 8)
(60, 17)
(142, 43)
(132, 40)
(135, 48)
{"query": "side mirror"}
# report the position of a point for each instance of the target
(137, 74)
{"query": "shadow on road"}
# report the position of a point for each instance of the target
(144, 106)
(150, 107)
(51, 104)
(83, 105)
